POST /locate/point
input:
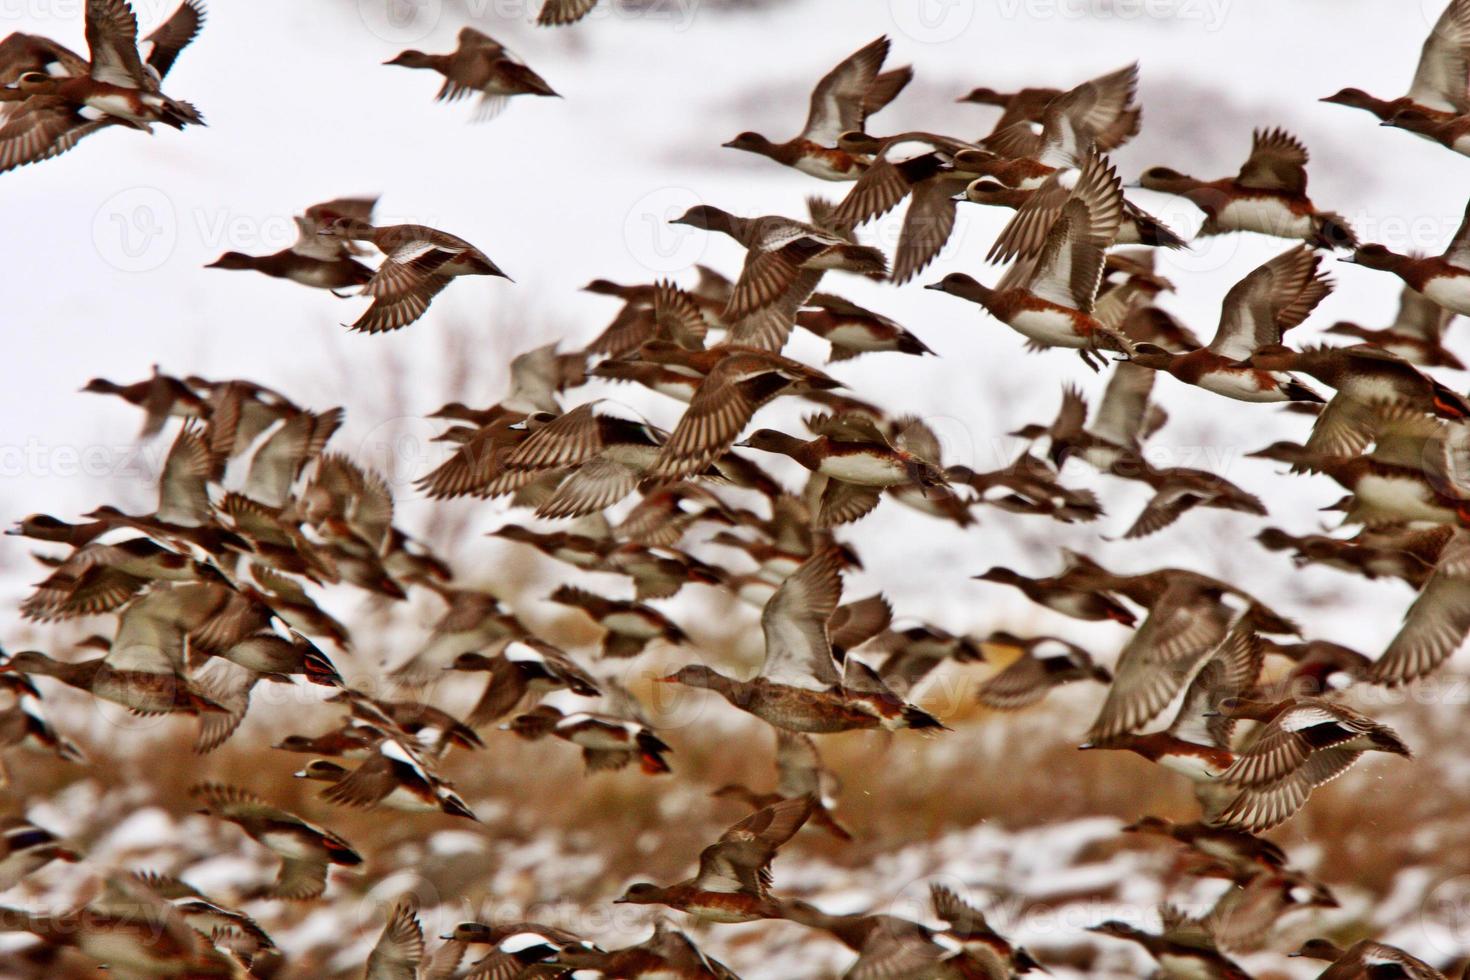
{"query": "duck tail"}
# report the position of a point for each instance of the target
(1298, 392)
(179, 114)
(1152, 231)
(320, 670)
(1449, 404)
(1333, 231)
(918, 718)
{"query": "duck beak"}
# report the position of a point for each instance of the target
(1349, 259)
(1085, 746)
(935, 285)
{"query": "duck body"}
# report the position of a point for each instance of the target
(1212, 372)
(341, 273)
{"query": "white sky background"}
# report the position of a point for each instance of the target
(300, 109)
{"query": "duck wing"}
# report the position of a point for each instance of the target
(1069, 267)
(1436, 624)
(840, 101)
(400, 948)
(1159, 658)
(740, 861)
(112, 39)
(1440, 79)
(794, 622)
(173, 35)
(1271, 299)
(1278, 162)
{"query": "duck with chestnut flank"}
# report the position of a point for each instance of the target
(56, 98)
(853, 330)
(1439, 86)
(1053, 302)
(607, 742)
(1374, 389)
(784, 261)
(799, 687)
(1443, 279)
(313, 259)
(734, 878)
(1268, 196)
(306, 850)
(1269, 301)
(840, 103)
(420, 261)
(1302, 743)
(857, 461)
(1416, 334)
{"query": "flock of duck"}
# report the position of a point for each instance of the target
(215, 591)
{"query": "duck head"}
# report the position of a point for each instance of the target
(961, 285)
(1149, 825)
(751, 143)
(988, 190)
(1354, 98)
(1165, 179)
(1319, 949)
(986, 96)
(471, 661)
(1151, 356)
(696, 675)
(640, 893)
(705, 216)
(471, 932)
(323, 770)
(232, 260)
(1372, 256)
(411, 59)
(773, 441)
